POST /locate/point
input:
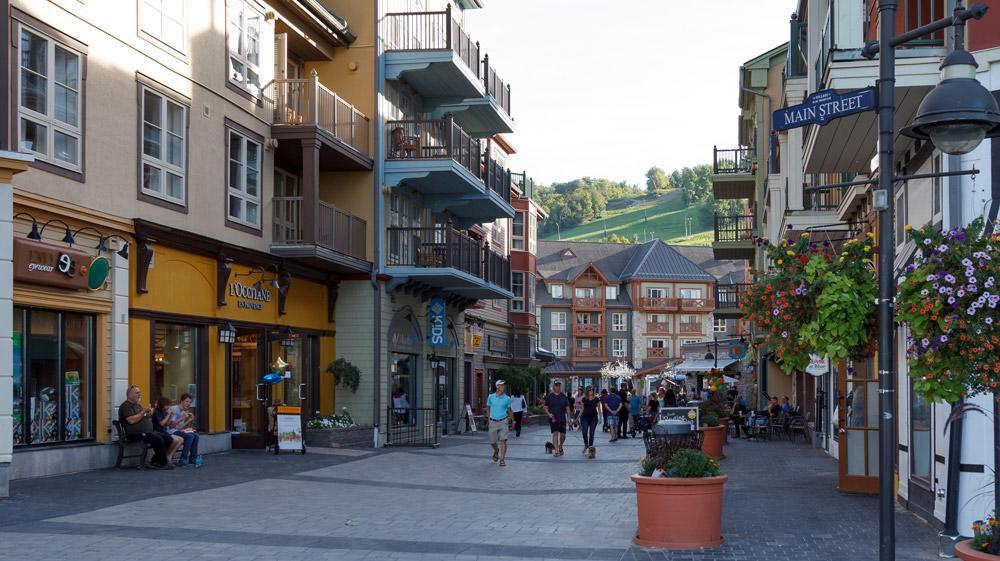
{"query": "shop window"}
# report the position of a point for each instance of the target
(164, 147)
(243, 201)
(53, 371)
(176, 365)
(164, 20)
(244, 45)
(49, 100)
(403, 384)
(921, 439)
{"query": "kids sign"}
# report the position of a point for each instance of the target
(824, 106)
(436, 322)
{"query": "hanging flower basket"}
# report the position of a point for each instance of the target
(949, 300)
(814, 300)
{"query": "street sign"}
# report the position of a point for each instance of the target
(818, 365)
(436, 322)
(824, 106)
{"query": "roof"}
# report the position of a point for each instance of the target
(725, 271)
(656, 260)
(559, 367)
(555, 263)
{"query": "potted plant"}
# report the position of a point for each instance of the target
(679, 500)
(985, 543)
(331, 431)
(346, 374)
(713, 435)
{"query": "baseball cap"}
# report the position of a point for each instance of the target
(556, 383)
(500, 383)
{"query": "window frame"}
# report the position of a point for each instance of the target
(181, 49)
(650, 343)
(562, 290)
(616, 352)
(556, 326)
(614, 324)
(514, 307)
(715, 325)
(201, 376)
(143, 194)
(241, 86)
(232, 127)
(53, 38)
(555, 348)
(608, 290)
(517, 241)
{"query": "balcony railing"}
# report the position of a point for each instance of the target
(446, 247)
(588, 329)
(727, 296)
(590, 303)
(657, 327)
(308, 102)
(825, 199)
(825, 47)
(690, 327)
(497, 178)
(910, 14)
(657, 352)
(524, 183)
(431, 31)
(732, 160)
(695, 304)
(657, 303)
(734, 228)
(337, 229)
(434, 140)
(495, 86)
(588, 352)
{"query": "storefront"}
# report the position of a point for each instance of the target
(69, 266)
(211, 321)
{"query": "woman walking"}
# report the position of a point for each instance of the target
(517, 406)
(577, 407)
(591, 404)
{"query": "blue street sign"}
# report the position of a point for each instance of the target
(824, 106)
(436, 322)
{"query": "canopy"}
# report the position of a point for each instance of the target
(702, 365)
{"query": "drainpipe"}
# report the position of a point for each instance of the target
(379, 226)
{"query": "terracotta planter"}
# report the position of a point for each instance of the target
(965, 552)
(678, 512)
(724, 423)
(712, 439)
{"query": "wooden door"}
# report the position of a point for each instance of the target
(857, 406)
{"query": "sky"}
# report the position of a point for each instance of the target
(609, 88)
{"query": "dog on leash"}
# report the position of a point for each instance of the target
(591, 452)
(549, 448)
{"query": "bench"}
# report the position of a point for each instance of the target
(141, 448)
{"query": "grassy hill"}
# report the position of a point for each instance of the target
(648, 217)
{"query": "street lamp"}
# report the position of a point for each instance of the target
(956, 118)
(227, 334)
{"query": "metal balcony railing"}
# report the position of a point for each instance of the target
(823, 199)
(910, 14)
(337, 229)
(431, 31)
(495, 86)
(524, 183)
(497, 268)
(434, 140)
(308, 102)
(446, 247)
(497, 178)
(734, 228)
(727, 296)
(732, 160)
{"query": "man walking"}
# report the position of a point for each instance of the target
(557, 408)
(635, 410)
(612, 408)
(623, 413)
(498, 406)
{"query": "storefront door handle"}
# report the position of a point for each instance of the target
(260, 388)
(302, 391)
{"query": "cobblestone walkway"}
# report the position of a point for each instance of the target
(450, 503)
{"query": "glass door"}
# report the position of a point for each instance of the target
(248, 394)
(857, 391)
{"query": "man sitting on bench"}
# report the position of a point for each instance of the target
(138, 425)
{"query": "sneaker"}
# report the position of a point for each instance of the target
(182, 462)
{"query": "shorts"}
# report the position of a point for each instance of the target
(612, 420)
(558, 426)
(497, 431)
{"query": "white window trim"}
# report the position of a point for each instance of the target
(144, 18)
(556, 343)
(616, 351)
(517, 302)
(516, 239)
(715, 326)
(608, 289)
(656, 292)
(161, 163)
(615, 326)
(242, 193)
(244, 5)
(49, 120)
(559, 326)
(651, 341)
(562, 291)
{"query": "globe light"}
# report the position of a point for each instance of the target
(957, 138)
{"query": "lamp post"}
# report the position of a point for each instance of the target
(956, 117)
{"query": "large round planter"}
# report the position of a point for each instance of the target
(678, 512)
(724, 423)
(965, 552)
(712, 439)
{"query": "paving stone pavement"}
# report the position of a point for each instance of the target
(450, 503)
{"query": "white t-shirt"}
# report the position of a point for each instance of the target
(517, 404)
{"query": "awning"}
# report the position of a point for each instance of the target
(545, 355)
(695, 366)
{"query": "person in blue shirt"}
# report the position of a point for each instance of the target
(612, 407)
(635, 410)
(498, 408)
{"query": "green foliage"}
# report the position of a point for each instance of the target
(695, 182)
(648, 465)
(525, 378)
(715, 405)
(582, 200)
(334, 421)
(691, 463)
(986, 535)
(710, 419)
(346, 374)
(657, 180)
(536, 410)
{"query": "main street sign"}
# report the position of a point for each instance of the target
(824, 106)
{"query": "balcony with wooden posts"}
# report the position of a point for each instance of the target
(727, 300)
(658, 327)
(657, 352)
(657, 304)
(734, 237)
(437, 158)
(322, 236)
(588, 303)
(695, 304)
(733, 173)
(438, 59)
(690, 327)
(588, 353)
(443, 259)
(588, 329)
(313, 126)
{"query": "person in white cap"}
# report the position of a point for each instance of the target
(498, 407)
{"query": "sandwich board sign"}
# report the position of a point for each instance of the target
(824, 106)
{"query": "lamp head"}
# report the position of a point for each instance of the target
(101, 246)
(123, 252)
(68, 237)
(34, 234)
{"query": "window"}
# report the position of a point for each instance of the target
(936, 187)
(176, 365)
(559, 346)
(497, 236)
(657, 344)
(559, 321)
(49, 100)
(585, 292)
(532, 233)
(53, 376)
(656, 293)
(901, 217)
(618, 347)
(611, 292)
(164, 147)
(244, 180)
(517, 287)
(556, 290)
(164, 20)
(691, 293)
(517, 231)
(921, 439)
(618, 321)
(719, 326)
(244, 45)
(529, 279)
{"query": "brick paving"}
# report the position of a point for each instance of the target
(451, 503)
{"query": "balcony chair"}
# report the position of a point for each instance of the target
(404, 145)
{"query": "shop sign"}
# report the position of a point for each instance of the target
(477, 340)
(249, 297)
(498, 344)
(41, 263)
(436, 322)
(824, 106)
(818, 365)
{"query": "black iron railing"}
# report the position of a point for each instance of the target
(497, 178)
(434, 247)
(727, 296)
(412, 426)
(433, 139)
(732, 160)
(337, 229)
(823, 199)
(734, 228)
(495, 86)
(429, 31)
(524, 183)
(497, 268)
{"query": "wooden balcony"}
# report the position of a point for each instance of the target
(733, 173)
(657, 352)
(690, 327)
(588, 303)
(588, 352)
(734, 237)
(588, 329)
(658, 304)
(727, 300)
(657, 327)
(695, 304)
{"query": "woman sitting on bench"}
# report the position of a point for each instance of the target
(162, 416)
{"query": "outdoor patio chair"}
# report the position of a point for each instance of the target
(797, 425)
(776, 427)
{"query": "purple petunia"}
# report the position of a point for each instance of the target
(925, 343)
(951, 299)
(784, 334)
(927, 241)
(777, 312)
(961, 293)
(989, 321)
(949, 278)
(944, 339)
(966, 262)
(924, 292)
(942, 248)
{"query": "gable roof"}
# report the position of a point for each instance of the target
(656, 260)
(724, 270)
(555, 263)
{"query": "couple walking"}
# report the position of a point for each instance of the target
(557, 406)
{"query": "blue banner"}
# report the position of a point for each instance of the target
(436, 322)
(824, 106)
